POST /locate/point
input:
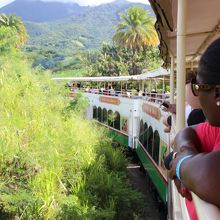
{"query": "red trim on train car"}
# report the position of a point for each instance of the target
(113, 129)
(153, 162)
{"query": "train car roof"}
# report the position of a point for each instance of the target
(203, 26)
(158, 73)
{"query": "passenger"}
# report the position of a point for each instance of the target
(193, 112)
(87, 89)
(140, 92)
(112, 92)
(197, 162)
(153, 96)
(102, 90)
(128, 94)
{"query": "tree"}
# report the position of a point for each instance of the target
(14, 22)
(112, 61)
(136, 31)
(7, 39)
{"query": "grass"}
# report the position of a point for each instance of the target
(53, 163)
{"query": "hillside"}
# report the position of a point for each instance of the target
(39, 11)
(59, 30)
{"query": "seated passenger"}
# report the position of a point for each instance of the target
(193, 112)
(128, 94)
(140, 92)
(197, 162)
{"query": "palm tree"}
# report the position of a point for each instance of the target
(136, 31)
(15, 22)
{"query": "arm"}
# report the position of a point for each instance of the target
(200, 173)
(187, 142)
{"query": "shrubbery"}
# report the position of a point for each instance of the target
(53, 163)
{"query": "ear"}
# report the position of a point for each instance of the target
(217, 96)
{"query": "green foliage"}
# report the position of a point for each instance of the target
(14, 22)
(70, 73)
(53, 163)
(8, 39)
(113, 61)
(51, 43)
(136, 31)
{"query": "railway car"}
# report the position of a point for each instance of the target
(134, 120)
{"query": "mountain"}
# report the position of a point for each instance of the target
(57, 30)
(39, 11)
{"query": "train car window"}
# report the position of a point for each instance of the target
(105, 116)
(156, 147)
(94, 112)
(141, 131)
(110, 118)
(150, 137)
(145, 135)
(99, 114)
(141, 127)
(117, 120)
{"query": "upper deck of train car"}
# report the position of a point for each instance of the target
(119, 86)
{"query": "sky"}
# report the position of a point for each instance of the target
(80, 2)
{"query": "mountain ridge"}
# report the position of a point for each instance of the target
(54, 39)
(49, 11)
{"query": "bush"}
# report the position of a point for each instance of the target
(53, 163)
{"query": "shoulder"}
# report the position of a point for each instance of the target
(196, 116)
(208, 135)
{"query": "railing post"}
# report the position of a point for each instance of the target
(181, 66)
(172, 83)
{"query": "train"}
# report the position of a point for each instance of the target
(133, 120)
(185, 28)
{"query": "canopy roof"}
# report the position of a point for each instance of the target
(147, 75)
(158, 73)
(203, 26)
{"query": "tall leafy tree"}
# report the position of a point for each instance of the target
(112, 61)
(7, 39)
(14, 22)
(136, 31)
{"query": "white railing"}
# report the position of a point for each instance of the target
(148, 96)
(204, 210)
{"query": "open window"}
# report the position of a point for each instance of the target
(117, 120)
(150, 137)
(156, 147)
(95, 112)
(110, 118)
(145, 134)
(99, 114)
(105, 116)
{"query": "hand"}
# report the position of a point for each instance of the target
(169, 107)
(183, 191)
(168, 127)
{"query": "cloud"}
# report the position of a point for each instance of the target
(5, 2)
(84, 2)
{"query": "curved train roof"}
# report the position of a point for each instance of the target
(146, 75)
(203, 26)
